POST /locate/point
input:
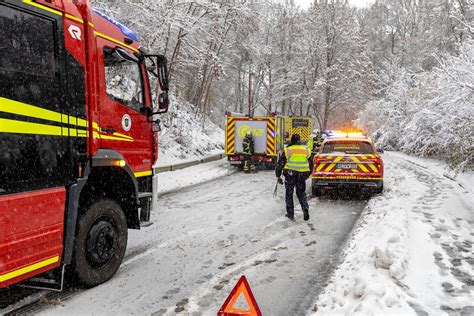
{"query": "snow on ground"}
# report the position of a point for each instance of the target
(184, 136)
(173, 180)
(412, 252)
(205, 237)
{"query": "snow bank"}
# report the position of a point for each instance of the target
(412, 251)
(187, 135)
(174, 180)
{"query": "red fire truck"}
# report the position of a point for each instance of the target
(78, 138)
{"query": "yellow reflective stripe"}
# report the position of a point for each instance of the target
(332, 165)
(42, 7)
(355, 170)
(102, 136)
(337, 170)
(361, 166)
(341, 177)
(143, 174)
(15, 107)
(320, 166)
(354, 159)
(116, 41)
(27, 269)
(122, 135)
(21, 127)
(74, 18)
(374, 169)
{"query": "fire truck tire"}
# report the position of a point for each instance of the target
(100, 242)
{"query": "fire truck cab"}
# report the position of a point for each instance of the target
(78, 138)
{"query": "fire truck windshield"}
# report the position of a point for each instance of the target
(123, 78)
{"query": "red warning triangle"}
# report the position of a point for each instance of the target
(241, 288)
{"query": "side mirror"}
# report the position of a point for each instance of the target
(160, 64)
(163, 103)
(380, 150)
(162, 69)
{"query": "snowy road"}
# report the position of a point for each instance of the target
(206, 236)
(412, 254)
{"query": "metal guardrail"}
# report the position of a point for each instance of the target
(188, 164)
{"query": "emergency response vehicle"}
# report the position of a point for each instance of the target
(267, 133)
(78, 138)
(300, 125)
(347, 159)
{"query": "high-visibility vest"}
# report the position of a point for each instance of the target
(297, 158)
(311, 143)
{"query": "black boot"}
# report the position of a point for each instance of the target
(305, 215)
(290, 217)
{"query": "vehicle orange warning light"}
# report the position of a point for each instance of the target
(241, 288)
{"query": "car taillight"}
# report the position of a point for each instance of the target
(379, 163)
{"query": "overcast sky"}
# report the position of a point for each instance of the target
(359, 3)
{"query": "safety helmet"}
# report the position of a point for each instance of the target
(316, 132)
(248, 133)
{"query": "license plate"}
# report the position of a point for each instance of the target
(235, 162)
(346, 166)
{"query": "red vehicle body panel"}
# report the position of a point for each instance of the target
(32, 223)
(367, 167)
(31, 233)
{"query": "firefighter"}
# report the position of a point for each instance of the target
(317, 142)
(248, 151)
(295, 163)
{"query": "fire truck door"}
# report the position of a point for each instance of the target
(123, 122)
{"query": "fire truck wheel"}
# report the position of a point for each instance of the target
(100, 242)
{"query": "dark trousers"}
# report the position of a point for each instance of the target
(295, 179)
(249, 165)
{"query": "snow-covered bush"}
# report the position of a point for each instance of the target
(429, 114)
(186, 134)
